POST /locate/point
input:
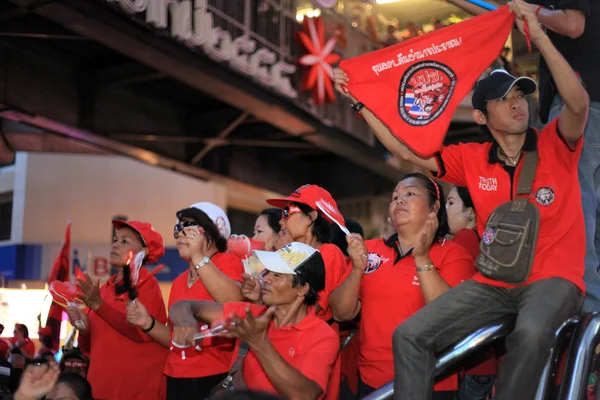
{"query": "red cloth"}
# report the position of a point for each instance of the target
(60, 272)
(389, 283)
(125, 363)
(335, 270)
(468, 239)
(215, 356)
(27, 350)
(560, 248)
(310, 346)
(414, 87)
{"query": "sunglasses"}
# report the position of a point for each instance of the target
(288, 211)
(179, 228)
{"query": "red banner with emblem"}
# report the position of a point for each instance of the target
(415, 87)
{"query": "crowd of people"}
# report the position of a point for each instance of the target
(317, 313)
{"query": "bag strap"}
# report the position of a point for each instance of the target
(238, 365)
(528, 172)
(525, 184)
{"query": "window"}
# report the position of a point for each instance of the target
(6, 203)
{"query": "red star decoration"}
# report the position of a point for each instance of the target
(319, 59)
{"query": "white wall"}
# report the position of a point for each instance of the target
(90, 189)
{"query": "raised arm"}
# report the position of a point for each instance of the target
(394, 146)
(344, 300)
(570, 23)
(573, 116)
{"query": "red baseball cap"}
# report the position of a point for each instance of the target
(310, 195)
(152, 239)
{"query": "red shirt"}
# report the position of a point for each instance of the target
(4, 346)
(28, 347)
(392, 281)
(560, 248)
(468, 239)
(335, 269)
(215, 356)
(125, 363)
(311, 347)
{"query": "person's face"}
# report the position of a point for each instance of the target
(62, 392)
(458, 216)
(295, 223)
(187, 226)
(410, 203)
(509, 115)
(125, 240)
(277, 289)
(264, 233)
(19, 335)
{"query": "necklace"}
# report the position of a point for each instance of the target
(191, 280)
(511, 160)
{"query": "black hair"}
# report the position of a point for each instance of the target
(24, 329)
(433, 189)
(78, 384)
(465, 196)
(312, 272)
(273, 217)
(75, 354)
(339, 238)
(320, 227)
(210, 229)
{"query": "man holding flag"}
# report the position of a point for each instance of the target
(553, 288)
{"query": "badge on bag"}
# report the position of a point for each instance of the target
(488, 236)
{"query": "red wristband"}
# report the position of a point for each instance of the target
(537, 10)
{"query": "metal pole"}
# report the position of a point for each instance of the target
(579, 362)
(482, 4)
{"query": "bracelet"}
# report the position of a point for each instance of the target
(357, 106)
(151, 326)
(427, 267)
(537, 10)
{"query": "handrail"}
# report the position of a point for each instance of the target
(564, 332)
(454, 354)
(580, 358)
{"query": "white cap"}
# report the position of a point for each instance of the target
(287, 259)
(217, 215)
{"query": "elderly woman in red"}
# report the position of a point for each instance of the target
(125, 363)
(392, 278)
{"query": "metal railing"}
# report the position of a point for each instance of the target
(578, 334)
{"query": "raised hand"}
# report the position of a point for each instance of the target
(251, 288)
(90, 292)
(138, 315)
(426, 237)
(357, 251)
(341, 80)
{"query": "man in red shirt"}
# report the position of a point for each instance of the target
(291, 351)
(491, 171)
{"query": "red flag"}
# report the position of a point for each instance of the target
(414, 87)
(60, 272)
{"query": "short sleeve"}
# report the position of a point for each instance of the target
(450, 165)
(335, 270)
(239, 309)
(456, 265)
(230, 265)
(319, 358)
(564, 153)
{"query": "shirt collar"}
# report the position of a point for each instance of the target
(530, 144)
(307, 322)
(392, 242)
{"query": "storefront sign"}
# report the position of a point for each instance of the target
(194, 26)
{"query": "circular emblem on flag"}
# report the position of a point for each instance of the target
(488, 236)
(545, 196)
(425, 90)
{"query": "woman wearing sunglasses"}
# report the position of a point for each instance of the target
(213, 275)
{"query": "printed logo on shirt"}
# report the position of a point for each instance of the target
(488, 184)
(545, 196)
(416, 281)
(425, 90)
(374, 261)
(291, 352)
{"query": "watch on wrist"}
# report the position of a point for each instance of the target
(427, 267)
(358, 106)
(205, 260)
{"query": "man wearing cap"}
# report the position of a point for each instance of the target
(291, 350)
(125, 363)
(491, 172)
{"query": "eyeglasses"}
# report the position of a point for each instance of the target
(288, 211)
(179, 228)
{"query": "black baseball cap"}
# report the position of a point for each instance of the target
(497, 85)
